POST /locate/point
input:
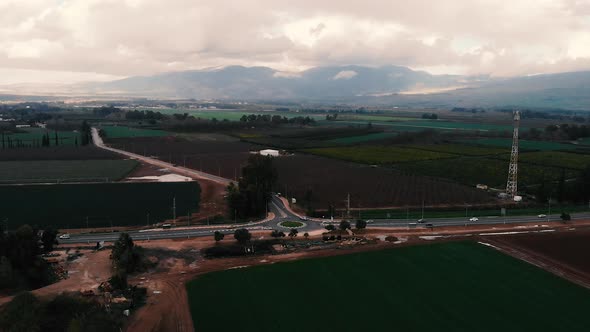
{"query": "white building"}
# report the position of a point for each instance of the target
(269, 152)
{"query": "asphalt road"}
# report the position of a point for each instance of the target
(281, 213)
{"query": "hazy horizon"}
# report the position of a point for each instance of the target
(68, 41)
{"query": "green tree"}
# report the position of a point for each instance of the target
(293, 233)
(218, 236)
(21, 314)
(344, 225)
(277, 234)
(330, 227)
(49, 239)
(306, 235)
(252, 194)
(242, 235)
(361, 224)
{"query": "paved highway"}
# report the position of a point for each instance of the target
(281, 213)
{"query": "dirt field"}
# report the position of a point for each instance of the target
(564, 252)
(180, 261)
(330, 180)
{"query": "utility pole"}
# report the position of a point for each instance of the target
(422, 209)
(174, 208)
(348, 205)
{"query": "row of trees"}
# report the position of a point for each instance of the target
(276, 119)
(21, 266)
(250, 197)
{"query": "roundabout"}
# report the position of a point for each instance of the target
(292, 224)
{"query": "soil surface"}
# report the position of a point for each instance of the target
(565, 252)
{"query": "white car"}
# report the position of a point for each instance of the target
(473, 219)
(369, 221)
(542, 216)
(64, 236)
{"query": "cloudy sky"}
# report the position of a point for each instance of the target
(66, 41)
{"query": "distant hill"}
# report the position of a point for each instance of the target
(386, 85)
(238, 82)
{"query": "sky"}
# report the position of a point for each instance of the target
(68, 41)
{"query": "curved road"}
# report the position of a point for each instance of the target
(281, 213)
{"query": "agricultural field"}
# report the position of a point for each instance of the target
(234, 115)
(33, 136)
(389, 291)
(88, 152)
(330, 181)
(296, 138)
(490, 171)
(523, 144)
(126, 132)
(561, 248)
(556, 158)
(373, 154)
(458, 149)
(362, 138)
(96, 204)
(52, 171)
(218, 157)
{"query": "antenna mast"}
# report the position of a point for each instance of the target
(512, 183)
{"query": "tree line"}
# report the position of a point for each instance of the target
(21, 266)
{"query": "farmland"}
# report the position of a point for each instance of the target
(57, 153)
(219, 157)
(330, 180)
(125, 132)
(504, 294)
(377, 154)
(362, 138)
(556, 159)
(65, 171)
(564, 248)
(523, 144)
(33, 137)
(96, 204)
(490, 171)
(458, 149)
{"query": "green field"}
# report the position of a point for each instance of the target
(235, 115)
(460, 286)
(124, 132)
(65, 170)
(377, 154)
(485, 170)
(556, 158)
(524, 145)
(459, 149)
(362, 138)
(33, 137)
(101, 204)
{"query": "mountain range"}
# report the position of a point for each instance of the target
(386, 85)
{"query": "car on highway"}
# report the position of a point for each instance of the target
(303, 218)
(64, 236)
(473, 219)
(370, 221)
(421, 220)
(542, 216)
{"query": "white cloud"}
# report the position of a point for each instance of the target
(345, 75)
(142, 37)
